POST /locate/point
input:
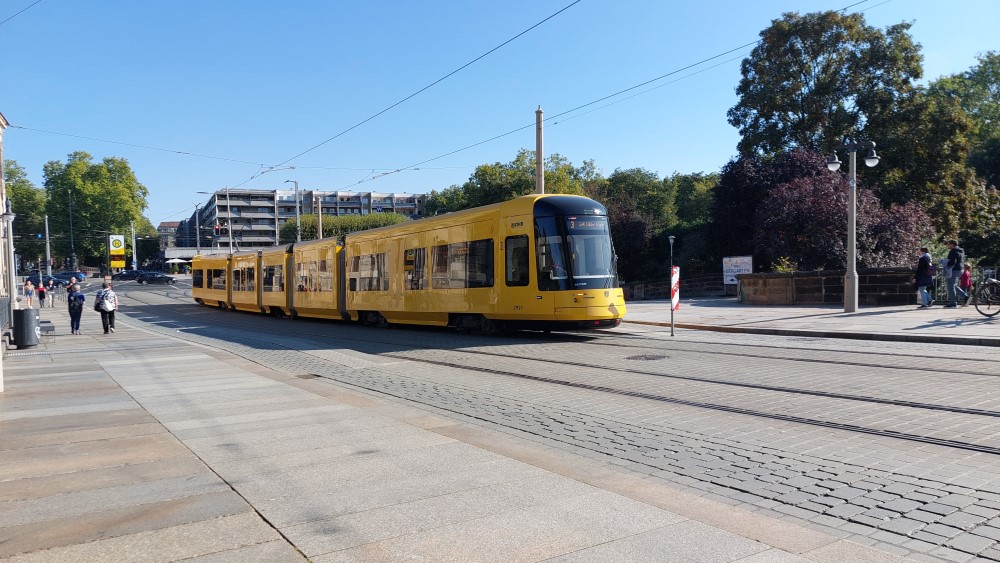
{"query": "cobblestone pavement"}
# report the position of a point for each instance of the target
(887, 444)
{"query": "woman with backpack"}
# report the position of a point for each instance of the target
(76, 301)
(106, 303)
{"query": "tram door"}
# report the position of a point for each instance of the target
(521, 298)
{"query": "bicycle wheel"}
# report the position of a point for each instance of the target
(988, 299)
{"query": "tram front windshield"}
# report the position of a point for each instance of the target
(575, 252)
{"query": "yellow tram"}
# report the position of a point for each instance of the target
(535, 262)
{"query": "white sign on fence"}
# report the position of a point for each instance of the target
(732, 265)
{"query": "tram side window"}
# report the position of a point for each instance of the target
(218, 279)
(249, 280)
(415, 268)
(368, 273)
(463, 264)
(237, 280)
(324, 277)
(274, 278)
(302, 276)
(198, 278)
(517, 260)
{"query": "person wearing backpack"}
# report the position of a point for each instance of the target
(76, 301)
(106, 302)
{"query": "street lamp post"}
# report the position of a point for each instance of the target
(8, 219)
(670, 276)
(298, 224)
(197, 228)
(72, 244)
(833, 163)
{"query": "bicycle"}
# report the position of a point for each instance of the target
(988, 297)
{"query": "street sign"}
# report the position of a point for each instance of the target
(733, 265)
(116, 246)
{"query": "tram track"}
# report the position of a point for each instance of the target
(679, 400)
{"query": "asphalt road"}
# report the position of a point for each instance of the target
(884, 443)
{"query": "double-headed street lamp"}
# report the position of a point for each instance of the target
(833, 163)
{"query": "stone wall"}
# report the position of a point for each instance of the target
(876, 287)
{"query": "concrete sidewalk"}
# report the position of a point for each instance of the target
(962, 325)
(137, 447)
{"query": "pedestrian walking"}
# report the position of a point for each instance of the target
(41, 296)
(965, 284)
(75, 301)
(922, 279)
(106, 303)
(952, 270)
(29, 292)
(50, 292)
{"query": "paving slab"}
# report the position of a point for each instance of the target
(154, 450)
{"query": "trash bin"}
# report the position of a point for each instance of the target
(26, 328)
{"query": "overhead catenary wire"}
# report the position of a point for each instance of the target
(599, 100)
(425, 88)
(19, 12)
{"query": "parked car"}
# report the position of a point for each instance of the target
(127, 275)
(80, 276)
(55, 281)
(155, 277)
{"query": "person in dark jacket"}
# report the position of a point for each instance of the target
(76, 301)
(953, 269)
(923, 280)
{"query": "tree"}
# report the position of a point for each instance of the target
(818, 78)
(639, 207)
(743, 185)
(977, 91)
(497, 182)
(28, 203)
(105, 198)
(804, 222)
(693, 197)
(338, 226)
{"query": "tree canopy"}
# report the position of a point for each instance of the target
(338, 226)
(498, 182)
(816, 79)
(104, 197)
(28, 204)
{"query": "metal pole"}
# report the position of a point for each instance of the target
(539, 153)
(135, 253)
(229, 220)
(48, 249)
(197, 229)
(851, 277)
(72, 244)
(298, 221)
(319, 216)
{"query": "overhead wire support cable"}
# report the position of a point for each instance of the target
(592, 102)
(147, 147)
(19, 12)
(432, 84)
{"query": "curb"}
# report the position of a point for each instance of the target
(959, 340)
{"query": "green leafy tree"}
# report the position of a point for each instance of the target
(338, 226)
(105, 198)
(498, 182)
(28, 203)
(693, 197)
(818, 78)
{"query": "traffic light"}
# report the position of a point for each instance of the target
(218, 230)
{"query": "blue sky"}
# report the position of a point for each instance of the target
(261, 82)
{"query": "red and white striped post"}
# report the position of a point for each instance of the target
(675, 294)
(675, 274)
